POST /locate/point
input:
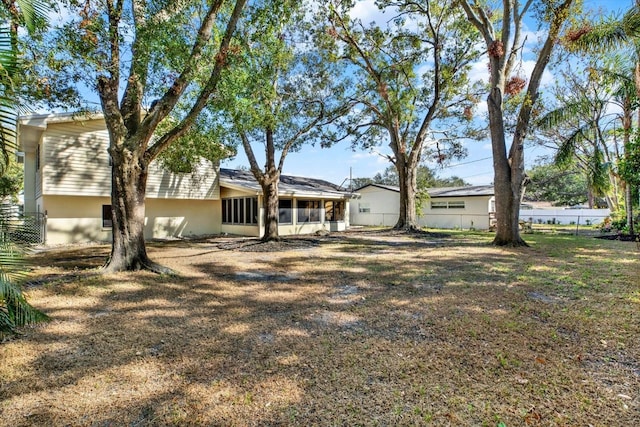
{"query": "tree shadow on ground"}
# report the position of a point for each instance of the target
(321, 335)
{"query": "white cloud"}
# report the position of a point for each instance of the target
(367, 12)
(479, 71)
(487, 147)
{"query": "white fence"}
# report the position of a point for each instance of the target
(564, 216)
(481, 222)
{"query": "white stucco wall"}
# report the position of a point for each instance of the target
(384, 206)
(474, 215)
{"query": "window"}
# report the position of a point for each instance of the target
(364, 208)
(448, 205)
(284, 211)
(334, 210)
(308, 210)
(240, 210)
(106, 216)
(38, 157)
(251, 210)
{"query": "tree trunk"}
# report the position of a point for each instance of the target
(407, 181)
(507, 191)
(129, 182)
(271, 213)
(628, 203)
(590, 198)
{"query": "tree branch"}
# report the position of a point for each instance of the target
(169, 99)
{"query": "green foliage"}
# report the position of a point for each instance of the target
(278, 92)
(202, 141)
(403, 76)
(15, 311)
(581, 123)
(560, 186)
(12, 181)
(609, 33)
(629, 165)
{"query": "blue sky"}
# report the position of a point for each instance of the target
(335, 164)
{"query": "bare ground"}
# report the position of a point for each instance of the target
(367, 328)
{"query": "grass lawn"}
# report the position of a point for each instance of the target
(362, 328)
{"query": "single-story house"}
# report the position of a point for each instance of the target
(68, 185)
(447, 207)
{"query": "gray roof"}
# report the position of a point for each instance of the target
(466, 191)
(288, 186)
(383, 186)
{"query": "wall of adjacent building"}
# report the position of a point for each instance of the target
(380, 207)
(474, 215)
(375, 206)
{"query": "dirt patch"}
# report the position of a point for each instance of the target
(360, 328)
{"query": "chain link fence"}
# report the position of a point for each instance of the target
(24, 228)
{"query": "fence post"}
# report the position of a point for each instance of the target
(577, 225)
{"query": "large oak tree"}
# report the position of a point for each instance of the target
(165, 55)
(503, 39)
(409, 83)
(276, 95)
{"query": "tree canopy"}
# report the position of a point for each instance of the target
(407, 81)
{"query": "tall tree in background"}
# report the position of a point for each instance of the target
(504, 44)
(562, 186)
(276, 94)
(612, 33)
(580, 125)
(131, 52)
(406, 79)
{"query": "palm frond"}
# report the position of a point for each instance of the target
(610, 33)
(598, 175)
(15, 310)
(32, 11)
(8, 68)
(567, 148)
(561, 115)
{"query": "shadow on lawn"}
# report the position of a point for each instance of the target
(320, 336)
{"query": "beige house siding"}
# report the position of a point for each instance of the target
(201, 184)
(76, 161)
(74, 219)
(29, 182)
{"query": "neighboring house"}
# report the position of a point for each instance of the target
(448, 207)
(68, 184)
